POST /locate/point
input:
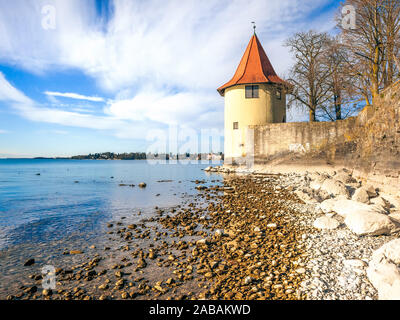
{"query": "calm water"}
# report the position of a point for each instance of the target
(51, 206)
(74, 197)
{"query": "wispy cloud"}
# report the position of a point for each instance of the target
(76, 96)
(4, 131)
(161, 61)
(172, 44)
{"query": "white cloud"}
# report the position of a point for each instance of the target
(174, 108)
(176, 44)
(162, 60)
(10, 93)
(3, 131)
(73, 96)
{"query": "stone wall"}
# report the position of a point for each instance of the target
(277, 139)
(378, 139)
(368, 144)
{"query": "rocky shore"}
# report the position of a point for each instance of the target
(256, 236)
(353, 248)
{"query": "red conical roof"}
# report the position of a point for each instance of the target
(254, 67)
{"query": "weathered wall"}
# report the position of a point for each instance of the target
(378, 139)
(277, 139)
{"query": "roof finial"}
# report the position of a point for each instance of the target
(254, 26)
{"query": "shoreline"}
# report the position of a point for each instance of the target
(188, 252)
(254, 237)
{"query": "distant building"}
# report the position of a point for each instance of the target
(254, 96)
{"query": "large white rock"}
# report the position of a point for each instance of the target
(361, 195)
(383, 271)
(326, 223)
(334, 187)
(369, 223)
(389, 251)
(385, 277)
(344, 207)
(328, 205)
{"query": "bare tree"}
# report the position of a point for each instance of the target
(309, 73)
(372, 45)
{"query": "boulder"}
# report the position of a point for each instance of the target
(29, 262)
(334, 187)
(389, 251)
(361, 195)
(380, 201)
(326, 223)
(369, 223)
(383, 271)
(328, 205)
(344, 177)
(371, 191)
(344, 207)
(354, 263)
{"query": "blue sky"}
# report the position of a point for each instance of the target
(84, 76)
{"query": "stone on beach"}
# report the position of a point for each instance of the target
(75, 252)
(384, 271)
(355, 263)
(380, 201)
(328, 205)
(344, 206)
(335, 188)
(326, 223)
(371, 191)
(361, 195)
(369, 223)
(344, 177)
(29, 262)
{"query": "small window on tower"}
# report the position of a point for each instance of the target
(251, 92)
(235, 125)
(279, 94)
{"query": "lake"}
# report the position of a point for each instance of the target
(47, 206)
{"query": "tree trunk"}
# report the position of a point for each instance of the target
(312, 115)
(338, 107)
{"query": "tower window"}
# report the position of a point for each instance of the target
(278, 94)
(235, 125)
(251, 92)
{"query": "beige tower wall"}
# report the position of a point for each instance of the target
(255, 111)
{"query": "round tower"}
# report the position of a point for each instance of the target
(254, 96)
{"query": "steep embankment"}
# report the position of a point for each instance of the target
(371, 149)
(378, 141)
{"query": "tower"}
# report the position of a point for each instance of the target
(254, 96)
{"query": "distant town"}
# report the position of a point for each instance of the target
(143, 156)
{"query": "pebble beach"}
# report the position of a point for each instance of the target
(252, 236)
